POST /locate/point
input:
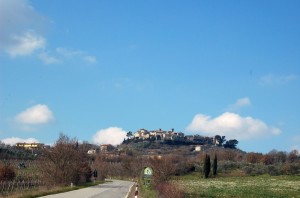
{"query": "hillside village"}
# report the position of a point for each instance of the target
(148, 139)
(178, 138)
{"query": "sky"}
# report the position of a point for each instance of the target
(97, 69)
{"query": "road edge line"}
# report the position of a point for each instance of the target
(129, 190)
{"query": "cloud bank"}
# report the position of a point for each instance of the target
(35, 115)
(111, 135)
(13, 140)
(231, 125)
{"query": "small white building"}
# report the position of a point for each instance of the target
(91, 151)
(199, 148)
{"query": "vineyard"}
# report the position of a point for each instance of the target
(26, 177)
(9, 187)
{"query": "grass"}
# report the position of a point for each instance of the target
(147, 192)
(239, 186)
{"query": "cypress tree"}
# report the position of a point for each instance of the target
(215, 165)
(206, 166)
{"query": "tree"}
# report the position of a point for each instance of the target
(100, 166)
(254, 158)
(293, 156)
(129, 134)
(215, 165)
(163, 167)
(231, 144)
(219, 140)
(64, 163)
(275, 157)
(206, 166)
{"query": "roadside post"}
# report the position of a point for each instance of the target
(95, 174)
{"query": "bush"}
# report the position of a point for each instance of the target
(168, 190)
(7, 172)
(274, 170)
(254, 170)
(163, 167)
(227, 166)
(292, 168)
(183, 165)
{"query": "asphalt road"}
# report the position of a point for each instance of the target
(114, 189)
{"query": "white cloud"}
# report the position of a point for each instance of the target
(20, 26)
(231, 125)
(25, 44)
(68, 52)
(272, 79)
(21, 34)
(35, 115)
(65, 53)
(242, 102)
(61, 55)
(111, 135)
(13, 140)
(90, 59)
(48, 59)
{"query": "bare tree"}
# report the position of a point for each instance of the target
(293, 156)
(163, 168)
(254, 158)
(101, 166)
(64, 163)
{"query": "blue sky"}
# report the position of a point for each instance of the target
(94, 70)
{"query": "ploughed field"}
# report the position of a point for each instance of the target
(239, 186)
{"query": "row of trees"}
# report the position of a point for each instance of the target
(221, 141)
(207, 166)
(9, 152)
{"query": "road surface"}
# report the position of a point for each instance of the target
(114, 189)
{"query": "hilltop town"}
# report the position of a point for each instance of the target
(172, 137)
(141, 140)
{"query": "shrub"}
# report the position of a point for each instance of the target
(254, 170)
(274, 170)
(226, 166)
(292, 168)
(7, 172)
(183, 165)
(168, 190)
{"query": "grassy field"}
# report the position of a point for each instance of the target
(242, 186)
